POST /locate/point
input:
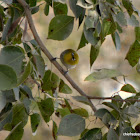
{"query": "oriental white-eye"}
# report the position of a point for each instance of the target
(69, 58)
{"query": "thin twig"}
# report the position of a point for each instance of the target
(47, 53)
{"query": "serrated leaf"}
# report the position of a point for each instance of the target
(71, 125)
(83, 42)
(60, 8)
(46, 108)
(133, 54)
(81, 99)
(81, 111)
(64, 88)
(12, 56)
(35, 120)
(60, 27)
(103, 74)
(92, 134)
(8, 78)
(50, 81)
(128, 88)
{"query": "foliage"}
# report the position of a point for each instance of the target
(22, 63)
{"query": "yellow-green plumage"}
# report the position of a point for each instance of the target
(69, 58)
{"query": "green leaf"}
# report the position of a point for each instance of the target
(137, 33)
(46, 108)
(77, 10)
(83, 42)
(133, 54)
(64, 88)
(89, 35)
(133, 21)
(103, 74)
(46, 9)
(128, 5)
(60, 8)
(128, 88)
(35, 120)
(49, 2)
(50, 81)
(112, 135)
(36, 46)
(116, 40)
(120, 18)
(8, 78)
(138, 67)
(118, 104)
(40, 64)
(101, 112)
(92, 134)
(81, 99)
(32, 3)
(94, 51)
(34, 10)
(12, 56)
(6, 29)
(2, 101)
(27, 49)
(81, 111)
(16, 133)
(60, 27)
(111, 105)
(54, 131)
(63, 111)
(71, 125)
(25, 74)
(67, 104)
(16, 93)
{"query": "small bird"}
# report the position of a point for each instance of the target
(69, 58)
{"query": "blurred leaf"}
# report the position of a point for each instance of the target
(46, 9)
(2, 101)
(40, 64)
(54, 131)
(16, 93)
(128, 88)
(35, 120)
(12, 56)
(27, 91)
(89, 35)
(128, 5)
(133, 54)
(92, 134)
(71, 125)
(49, 2)
(111, 105)
(137, 33)
(76, 9)
(81, 111)
(46, 108)
(103, 74)
(64, 88)
(27, 103)
(60, 27)
(50, 81)
(112, 135)
(16, 133)
(8, 78)
(60, 8)
(32, 3)
(81, 18)
(120, 18)
(63, 111)
(103, 10)
(84, 132)
(81, 99)
(7, 1)
(116, 40)
(34, 10)
(27, 49)
(83, 42)
(36, 46)
(94, 51)
(6, 29)
(25, 74)
(117, 103)
(133, 21)
(106, 118)
(84, 4)
(67, 104)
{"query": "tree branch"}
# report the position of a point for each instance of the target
(48, 54)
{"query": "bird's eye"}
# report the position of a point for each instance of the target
(73, 58)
